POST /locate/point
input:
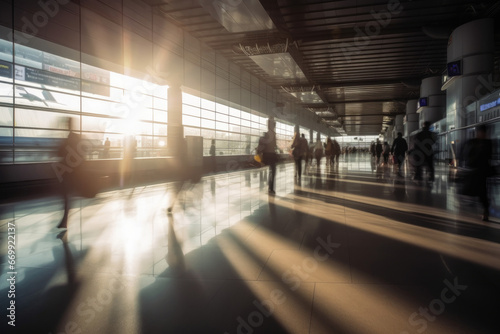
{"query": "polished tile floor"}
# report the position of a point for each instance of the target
(347, 249)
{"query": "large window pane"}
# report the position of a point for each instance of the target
(6, 95)
(136, 99)
(207, 104)
(205, 123)
(222, 108)
(103, 107)
(6, 116)
(234, 112)
(160, 130)
(5, 46)
(34, 97)
(190, 121)
(207, 133)
(246, 130)
(144, 114)
(105, 125)
(221, 135)
(234, 120)
(190, 110)
(208, 114)
(143, 128)
(161, 104)
(189, 131)
(234, 136)
(190, 99)
(44, 119)
(221, 118)
(145, 147)
(161, 92)
(160, 116)
(222, 126)
(246, 115)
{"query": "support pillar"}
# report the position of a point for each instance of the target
(175, 129)
(472, 46)
(436, 100)
(411, 124)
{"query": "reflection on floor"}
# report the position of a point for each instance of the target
(351, 248)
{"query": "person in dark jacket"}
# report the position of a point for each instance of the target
(477, 156)
(386, 152)
(267, 145)
(378, 150)
(297, 153)
(336, 151)
(71, 152)
(398, 150)
(424, 152)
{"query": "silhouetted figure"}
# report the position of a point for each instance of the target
(305, 149)
(267, 145)
(398, 150)
(477, 156)
(318, 152)
(329, 151)
(378, 150)
(212, 156)
(372, 150)
(298, 154)
(68, 169)
(386, 152)
(336, 151)
(423, 152)
(187, 173)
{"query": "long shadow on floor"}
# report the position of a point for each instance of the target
(208, 295)
(40, 305)
(456, 226)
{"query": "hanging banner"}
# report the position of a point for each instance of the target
(46, 78)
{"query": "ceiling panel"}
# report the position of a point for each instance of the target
(363, 60)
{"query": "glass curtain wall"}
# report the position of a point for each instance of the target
(236, 132)
(39, 91)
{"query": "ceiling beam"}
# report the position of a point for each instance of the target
(325, 85)
(322, 105)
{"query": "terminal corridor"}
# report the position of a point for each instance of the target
(350, 248)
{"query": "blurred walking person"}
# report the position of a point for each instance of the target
(336, 151)
(267, 145)
(67, 170)
(378, 150)
(318, 152)
(386, 152)
(423, 152)
(477, 156)
(398, 150)
(298, 154)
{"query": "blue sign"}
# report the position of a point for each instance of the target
(489, 105)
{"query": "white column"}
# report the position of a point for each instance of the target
(436, 100)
